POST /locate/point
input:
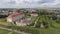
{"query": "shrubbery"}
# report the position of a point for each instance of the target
(27, 29)
(24, 29)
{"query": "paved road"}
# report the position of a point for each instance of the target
(14, 30)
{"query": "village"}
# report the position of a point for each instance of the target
(30, 20)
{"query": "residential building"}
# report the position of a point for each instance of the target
(14, 17)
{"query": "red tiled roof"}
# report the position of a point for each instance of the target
(14, 15)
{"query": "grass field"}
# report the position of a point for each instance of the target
(6, 32)
(49, 31)
(3, 31)
(53, 29)
(15, 33)
(4, 22)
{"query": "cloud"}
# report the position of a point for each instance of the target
(29, 3)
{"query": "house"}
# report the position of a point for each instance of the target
(34, 14)
(3, 12)
(15, 16)
(19, 19)
(33, 11)
(23, 22)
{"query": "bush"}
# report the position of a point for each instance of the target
(24, 29)
(28, 29)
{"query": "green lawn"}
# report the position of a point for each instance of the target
(4, 22)
(3, 31)
(53, 29)
(15, 33)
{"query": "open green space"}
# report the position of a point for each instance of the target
(15, 33)
(4, 31)
(4, 22)
(53, 26)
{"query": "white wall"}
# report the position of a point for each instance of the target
(21, 24)
(9, 20)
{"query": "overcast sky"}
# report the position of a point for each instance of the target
(29, 3)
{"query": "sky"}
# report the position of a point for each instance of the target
(29, 3)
